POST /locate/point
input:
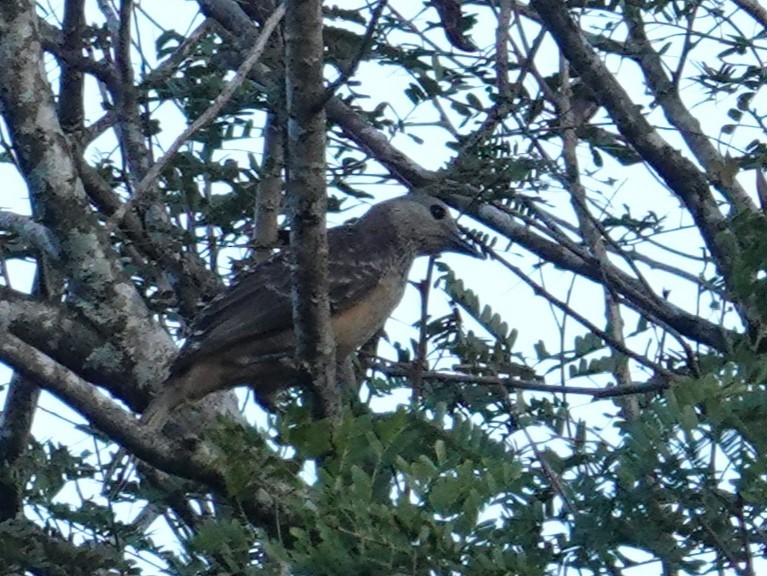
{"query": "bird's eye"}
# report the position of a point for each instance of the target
(437, 211)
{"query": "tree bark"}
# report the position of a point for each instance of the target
(307, 199)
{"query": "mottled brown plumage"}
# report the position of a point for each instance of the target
(245, 335)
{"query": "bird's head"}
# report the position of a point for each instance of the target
(424, 224)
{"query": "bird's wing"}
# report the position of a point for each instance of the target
(254, 307)
(259, 305)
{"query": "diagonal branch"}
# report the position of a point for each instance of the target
(96, 407)
(193, 281)
(679, 173)
(667, 95)
(634, 291)
(753, 9)
(263, 505)
(64, 334)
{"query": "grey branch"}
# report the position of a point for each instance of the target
(636, 294)
(46, 161)
(62, 333)
(753, 9)
(189, 459)
(667, 95)
(30, 549)
(31, 233)
(307, 201)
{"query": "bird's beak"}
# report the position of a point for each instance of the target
(460, 242)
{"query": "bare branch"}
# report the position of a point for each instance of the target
(269, 194)
(96, 407)
(689, 325)
(629, 389)
(681, 175)
(71, 104)
(65, 335)
(593, 237)
(15, 425)
(351, 67)
(667, 95)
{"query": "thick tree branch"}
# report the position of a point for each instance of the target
(71, 103)
(242, 30)
(137, 154)
(264, 504)
(104, 291)
(15, 425)
(61, 332)
(307, 200)
(375, 143)
(19, 410)
(96, 407)
(73, 60)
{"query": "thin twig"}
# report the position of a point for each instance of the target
(348, 72)
(406, 371)
(424, 288)
(206, 117)
(609, 340)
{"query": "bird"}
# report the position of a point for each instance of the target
(245, 335)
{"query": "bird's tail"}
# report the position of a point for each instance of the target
(158, 412)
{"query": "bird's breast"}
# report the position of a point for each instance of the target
(357, 324)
